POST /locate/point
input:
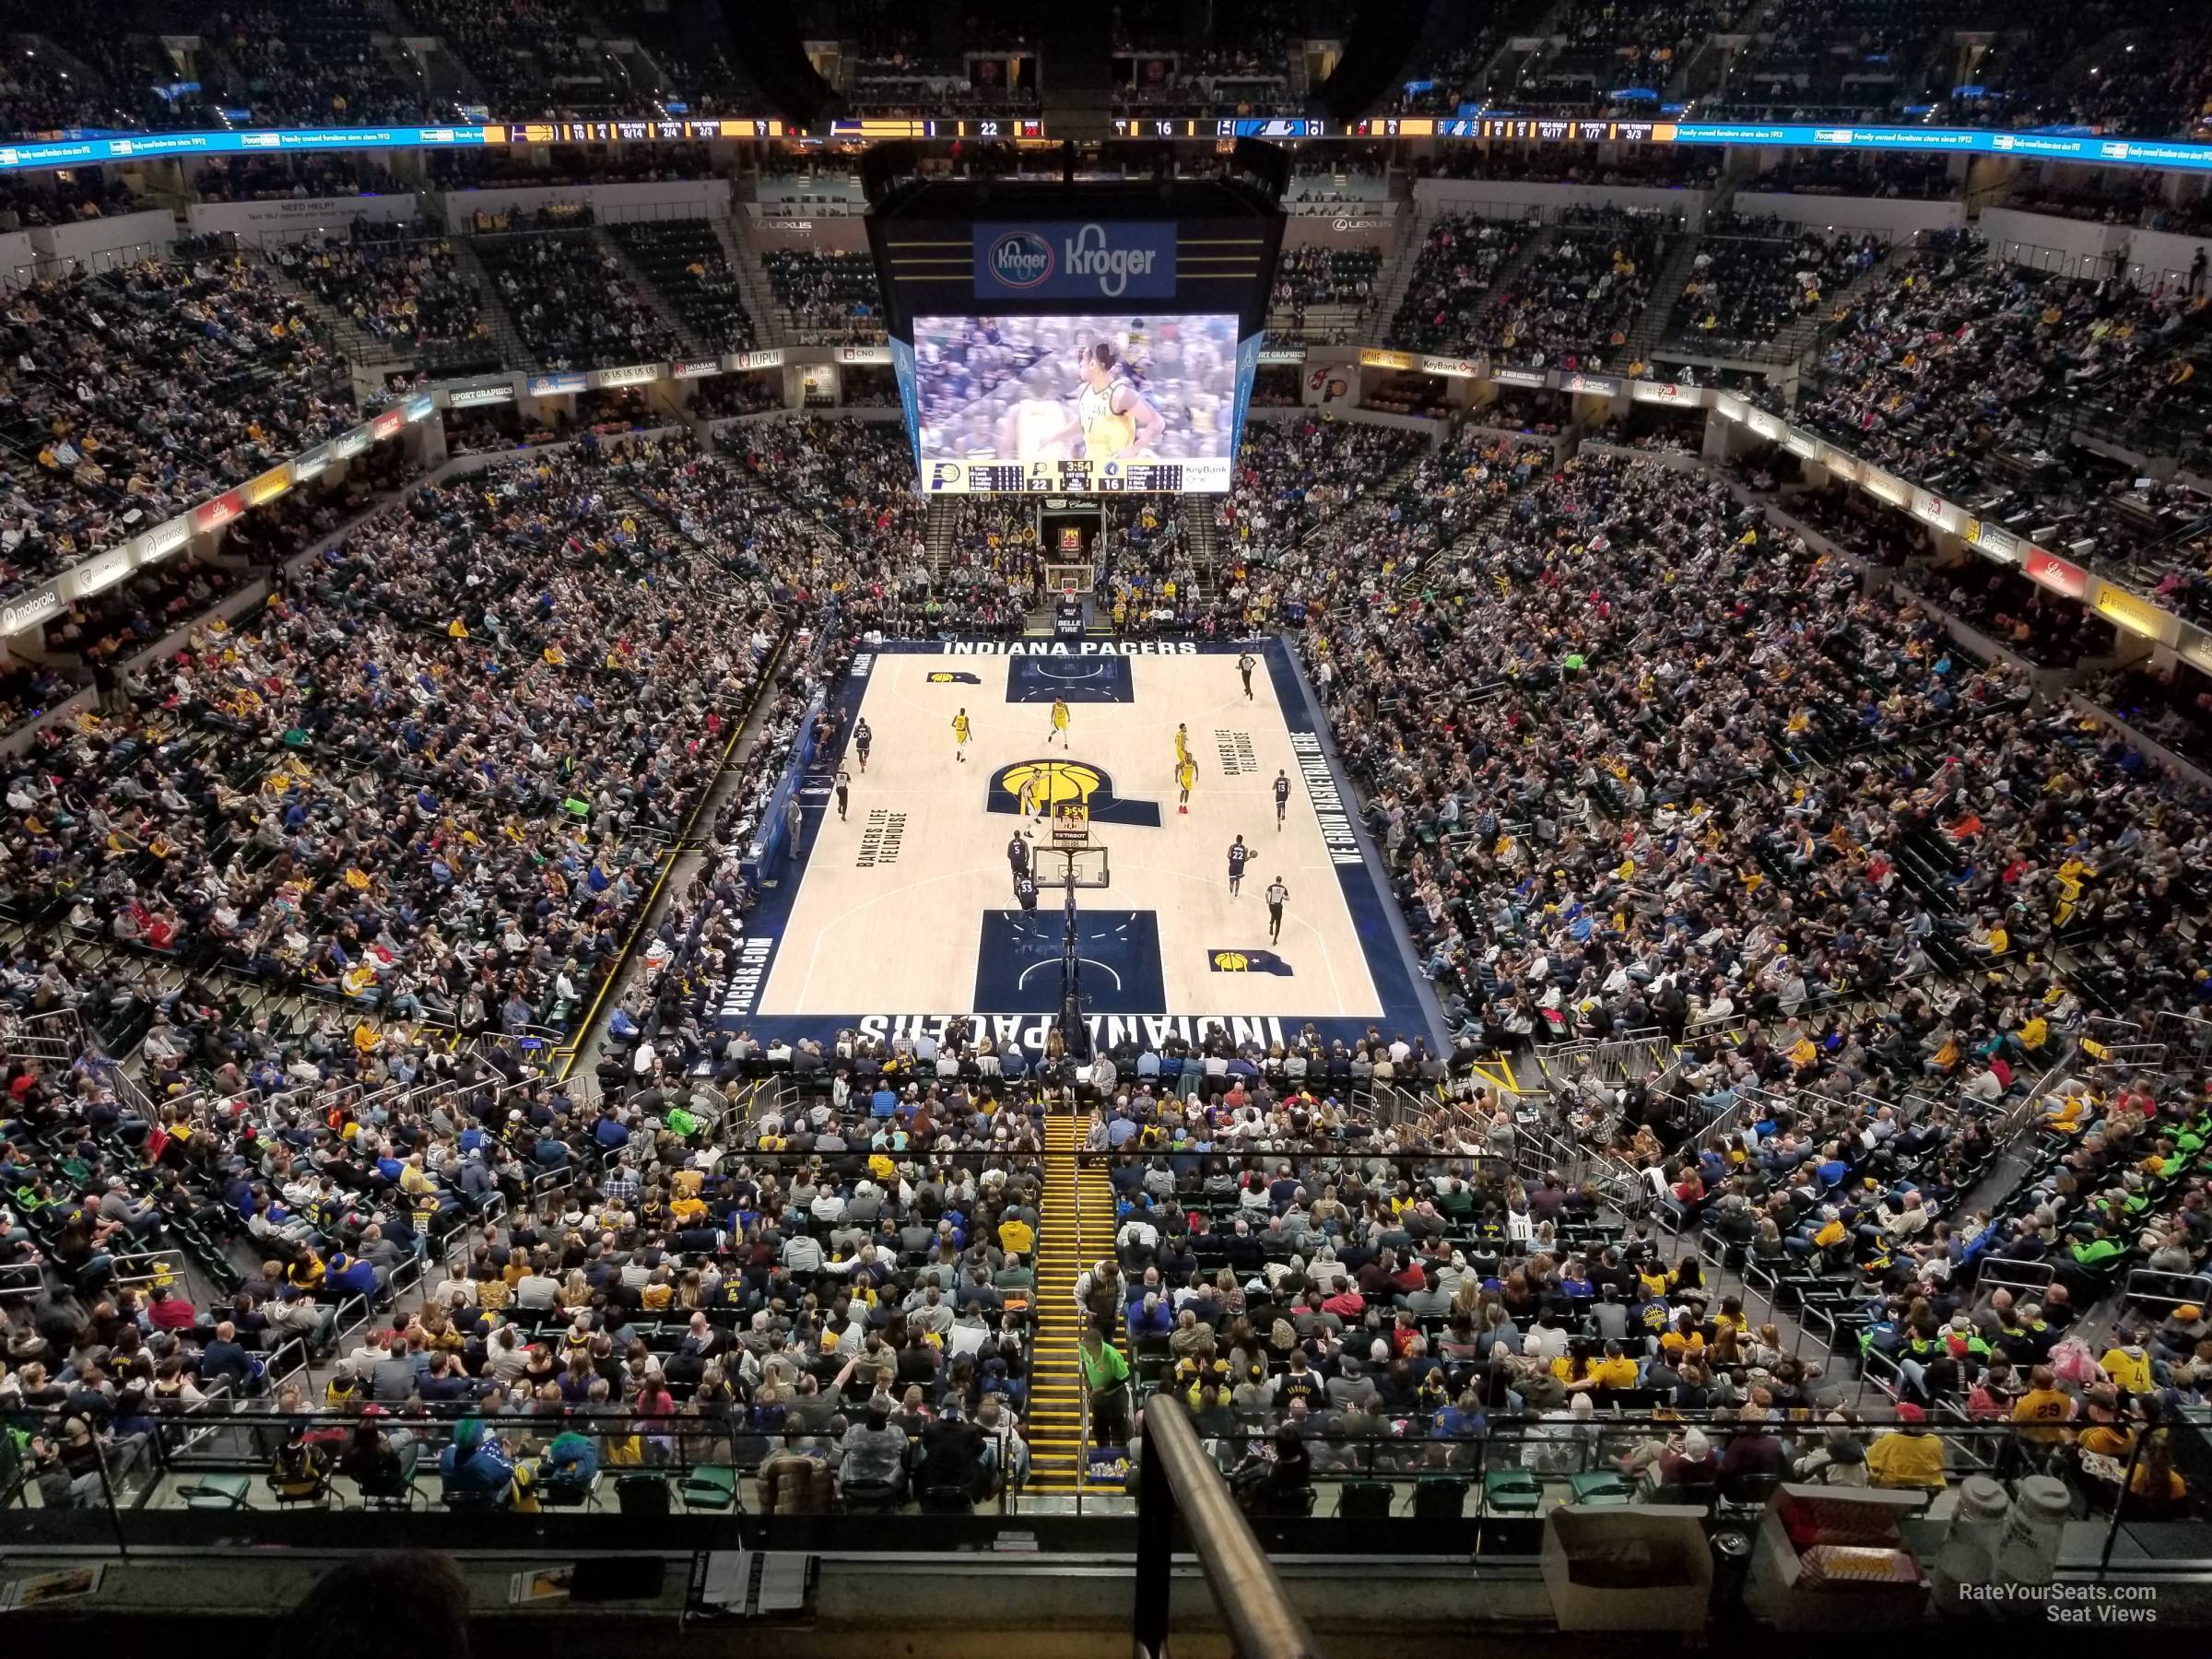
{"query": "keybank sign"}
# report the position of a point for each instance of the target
(1091, 260)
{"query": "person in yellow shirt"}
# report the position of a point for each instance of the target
(1613, 1368)
(1908, 1458)
(2128, 1367)
(1016, 1236)
(2044, 1411)
(1682, 1338)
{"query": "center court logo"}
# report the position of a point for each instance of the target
(1068, 782)
(1022, 259)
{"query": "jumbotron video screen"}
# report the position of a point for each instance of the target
(1051, 402)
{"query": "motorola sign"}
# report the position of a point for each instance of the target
(1091, 260)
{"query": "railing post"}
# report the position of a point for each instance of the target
(1156, 1516)
(1177, 1477)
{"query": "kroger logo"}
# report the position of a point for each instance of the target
(1021, 259)
(1088, 256)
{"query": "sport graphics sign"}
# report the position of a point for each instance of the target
(1111, 260)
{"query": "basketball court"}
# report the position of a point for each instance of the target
(906, 911)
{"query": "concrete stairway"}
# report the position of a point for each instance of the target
(514, 352)
(937, 539)
(1666, 288)
(760, 297)
(1075, 1228)
(695, 345)
(1396, 275)
(1202, 535)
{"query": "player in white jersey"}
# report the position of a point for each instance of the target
(1034, 430)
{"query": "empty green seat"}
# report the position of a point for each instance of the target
(1512, 1492)
(1601, 1486)
(709, 1486)
(217, 1492)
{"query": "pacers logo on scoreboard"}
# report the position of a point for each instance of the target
(1248, 961)
(953, 677)
(1052, 784)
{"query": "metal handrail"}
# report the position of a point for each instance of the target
(1178, 1479)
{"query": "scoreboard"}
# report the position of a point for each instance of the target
(1076, 477)
(1242, 126)
(968, 126)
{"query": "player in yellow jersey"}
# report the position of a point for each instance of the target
(1185, 775)
(1182, 742)
(960, 733)
(1060, 720)
(1112, 416)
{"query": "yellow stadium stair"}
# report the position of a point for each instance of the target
(1075, 1228)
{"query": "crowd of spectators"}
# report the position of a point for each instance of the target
(32, 202)
(293, 178)
(135, 392)
(1459, 260)
(1606, 47)
(572, 301)
(401, 287)
(1948, 356)
(684, 259)
(1818, 172)
(532, 57)
(310, 63)
(434, 779)
(830, 296)
(1674, 769)
(1574, 302)
(1324, 275)
(1752, 278)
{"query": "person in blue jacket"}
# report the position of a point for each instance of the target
(477, 1464)
(569, 1464)
(352, 1276)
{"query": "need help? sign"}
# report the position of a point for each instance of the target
(1094, 260)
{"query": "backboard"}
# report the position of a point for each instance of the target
(1058, 864)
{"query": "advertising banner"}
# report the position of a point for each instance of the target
(269, 485)
(1590, 386)
(1994, 540)
(27, 610)
(630, 374)
(215, 514)
(1091, 260)
(2125, 610)
(2057, 574)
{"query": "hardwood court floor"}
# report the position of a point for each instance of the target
(894, 903)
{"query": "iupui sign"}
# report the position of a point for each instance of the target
(1113, 260)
